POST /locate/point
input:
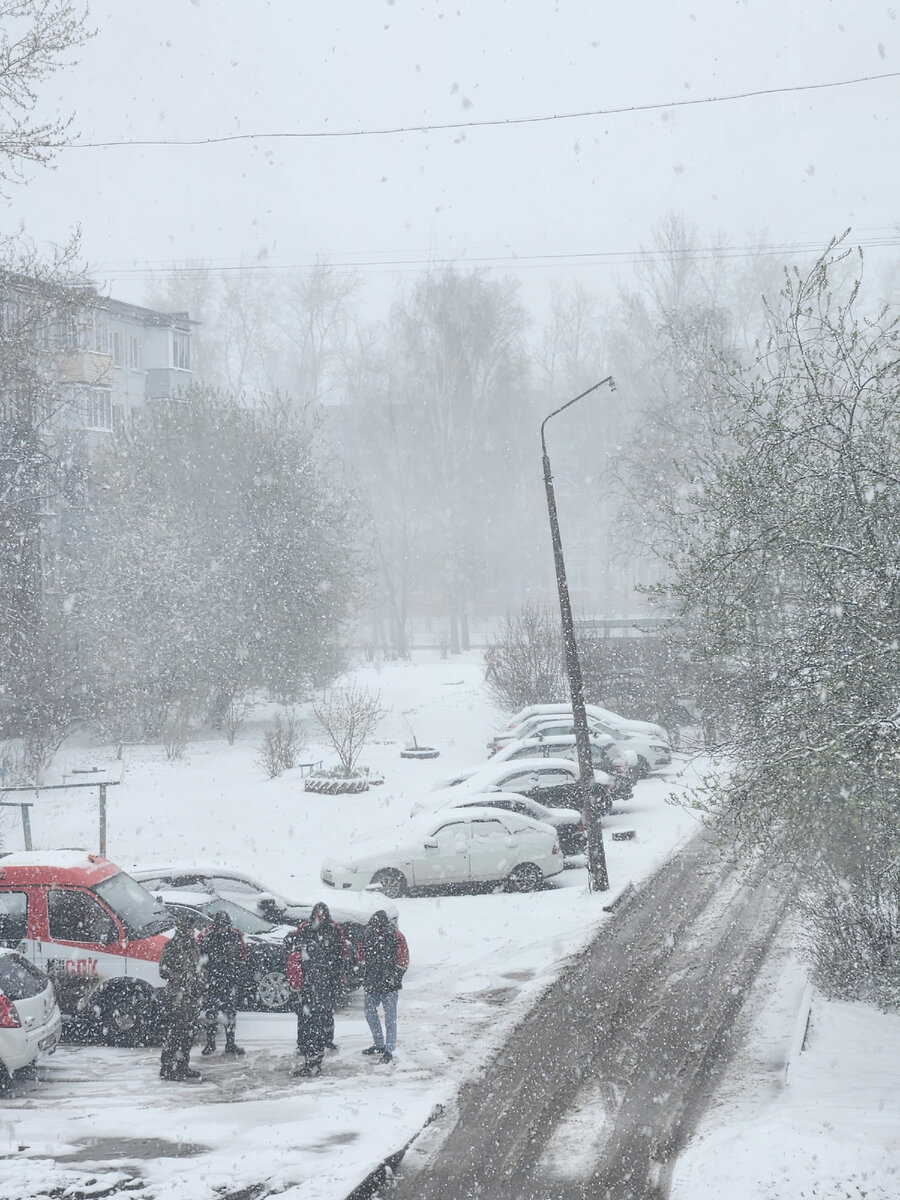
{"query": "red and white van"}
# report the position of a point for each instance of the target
(96, 932)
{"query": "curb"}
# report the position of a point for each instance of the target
(623, 897)
(384, 1172)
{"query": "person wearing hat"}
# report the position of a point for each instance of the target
(222, 956)
(179, 966)
(316, 965)
(384, 956)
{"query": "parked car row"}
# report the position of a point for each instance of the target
(511, 820)
(648, 743)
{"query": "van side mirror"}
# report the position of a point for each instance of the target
(430, 844)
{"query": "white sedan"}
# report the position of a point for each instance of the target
(480, 845)
(30, 1022)
(551, 781)
(592, 710)
(650, 752)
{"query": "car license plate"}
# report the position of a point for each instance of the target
(47, 1042)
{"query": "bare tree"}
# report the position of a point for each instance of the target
(349, 715)
(35, 38)
(282, 742)
(525, 663)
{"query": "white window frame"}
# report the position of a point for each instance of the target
(181, 350)
(98, 409)
(135, 352)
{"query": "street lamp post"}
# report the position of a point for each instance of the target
(597, 874)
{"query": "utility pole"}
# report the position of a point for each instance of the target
(596, 856)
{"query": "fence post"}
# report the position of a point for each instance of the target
(103, 820)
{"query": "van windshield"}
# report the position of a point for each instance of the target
(141, 914)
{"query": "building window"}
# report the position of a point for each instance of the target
(72, 333)
(135, 352)
(181, 350)
(118, 355)
(99, 332)
(98, 409)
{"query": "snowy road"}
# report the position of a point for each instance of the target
(600, 1086)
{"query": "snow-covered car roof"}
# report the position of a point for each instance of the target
(358, 908)
(491, 771)
(460, 798)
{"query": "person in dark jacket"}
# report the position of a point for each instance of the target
(222, 956)
(179, 966)
(384, 955)
(316, 965)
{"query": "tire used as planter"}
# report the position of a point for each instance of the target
(420, 752)
(334, 787)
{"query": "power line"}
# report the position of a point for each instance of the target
(389, 131)
(518, 261)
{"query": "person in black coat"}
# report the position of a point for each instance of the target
(316, 965)
(179, 967)
(222, 954)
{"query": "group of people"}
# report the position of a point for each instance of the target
(204, 973)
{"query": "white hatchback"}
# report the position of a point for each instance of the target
(30, 1022)
(451, 849)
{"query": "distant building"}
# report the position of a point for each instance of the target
(118, 356)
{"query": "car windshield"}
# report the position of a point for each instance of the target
(241, 918)
(141, 914)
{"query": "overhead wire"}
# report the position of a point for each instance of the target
(583, 258)
(455, 126)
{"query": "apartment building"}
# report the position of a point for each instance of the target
(118, 356)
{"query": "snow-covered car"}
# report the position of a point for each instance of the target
(451, 850)
(30, 1020)
(566, 821)
(250, 893)
(619, 765)
(650, 751)
(551, 781)
(595, 710)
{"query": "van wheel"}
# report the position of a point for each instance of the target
(127, 1015)
(526, 877)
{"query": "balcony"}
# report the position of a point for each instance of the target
(85, 366)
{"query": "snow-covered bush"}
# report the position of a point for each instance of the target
(526, 664)
(281, 745)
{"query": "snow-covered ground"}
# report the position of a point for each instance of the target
(476, 963)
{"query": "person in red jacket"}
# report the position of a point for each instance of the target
(384, 955)
(316, 964)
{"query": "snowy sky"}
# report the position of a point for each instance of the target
(543, 200)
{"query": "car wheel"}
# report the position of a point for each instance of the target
(273, 992)
(127, 1016)
(393, 883)
(526, 877)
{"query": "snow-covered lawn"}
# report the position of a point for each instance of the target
(476, 963)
